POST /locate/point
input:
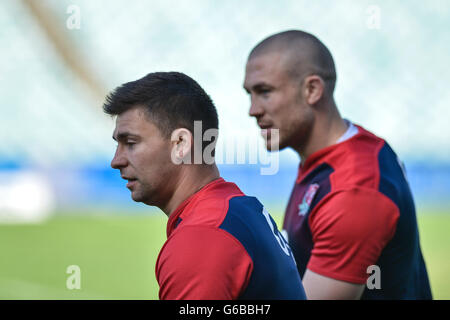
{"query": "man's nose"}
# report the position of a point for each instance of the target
(255, 109)
(119, 161)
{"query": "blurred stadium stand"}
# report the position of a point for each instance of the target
(392, 79)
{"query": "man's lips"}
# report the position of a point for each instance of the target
(131, 181)
(265, 130)
(264, 125)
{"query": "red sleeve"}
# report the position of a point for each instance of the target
(350, 229)
(202, 263)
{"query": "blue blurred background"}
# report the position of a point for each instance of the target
(59, 59)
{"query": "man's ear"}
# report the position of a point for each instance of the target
(313, 89)
(181, 143)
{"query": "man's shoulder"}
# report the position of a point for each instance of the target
(367, 161)
(233, 214)
(356, 161)
(365, 143)
(211, 207)
(355, 164)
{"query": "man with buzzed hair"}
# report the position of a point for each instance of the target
(351, 210)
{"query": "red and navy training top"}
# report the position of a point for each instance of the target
(224, 245)
(351, 207)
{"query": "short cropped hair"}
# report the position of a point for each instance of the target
(308, 55)
(171, 99)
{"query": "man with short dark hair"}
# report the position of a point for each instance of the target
(351, 209)
(221, 243)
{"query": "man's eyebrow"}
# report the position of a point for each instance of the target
(257, 87)
(124, 135)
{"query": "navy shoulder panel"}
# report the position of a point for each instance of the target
(274, 274)
(404, 274)
(393, 183)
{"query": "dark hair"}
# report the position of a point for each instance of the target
(172, 100)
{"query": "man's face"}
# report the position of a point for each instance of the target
(143, 157)
(276, 101)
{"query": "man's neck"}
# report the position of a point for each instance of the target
(327, 129)
(191, 180)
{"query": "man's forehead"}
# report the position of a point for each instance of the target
(266, 60)
(133, 116)
(132, 121)
(264, 67)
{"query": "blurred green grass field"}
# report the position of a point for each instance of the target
(117, 256)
